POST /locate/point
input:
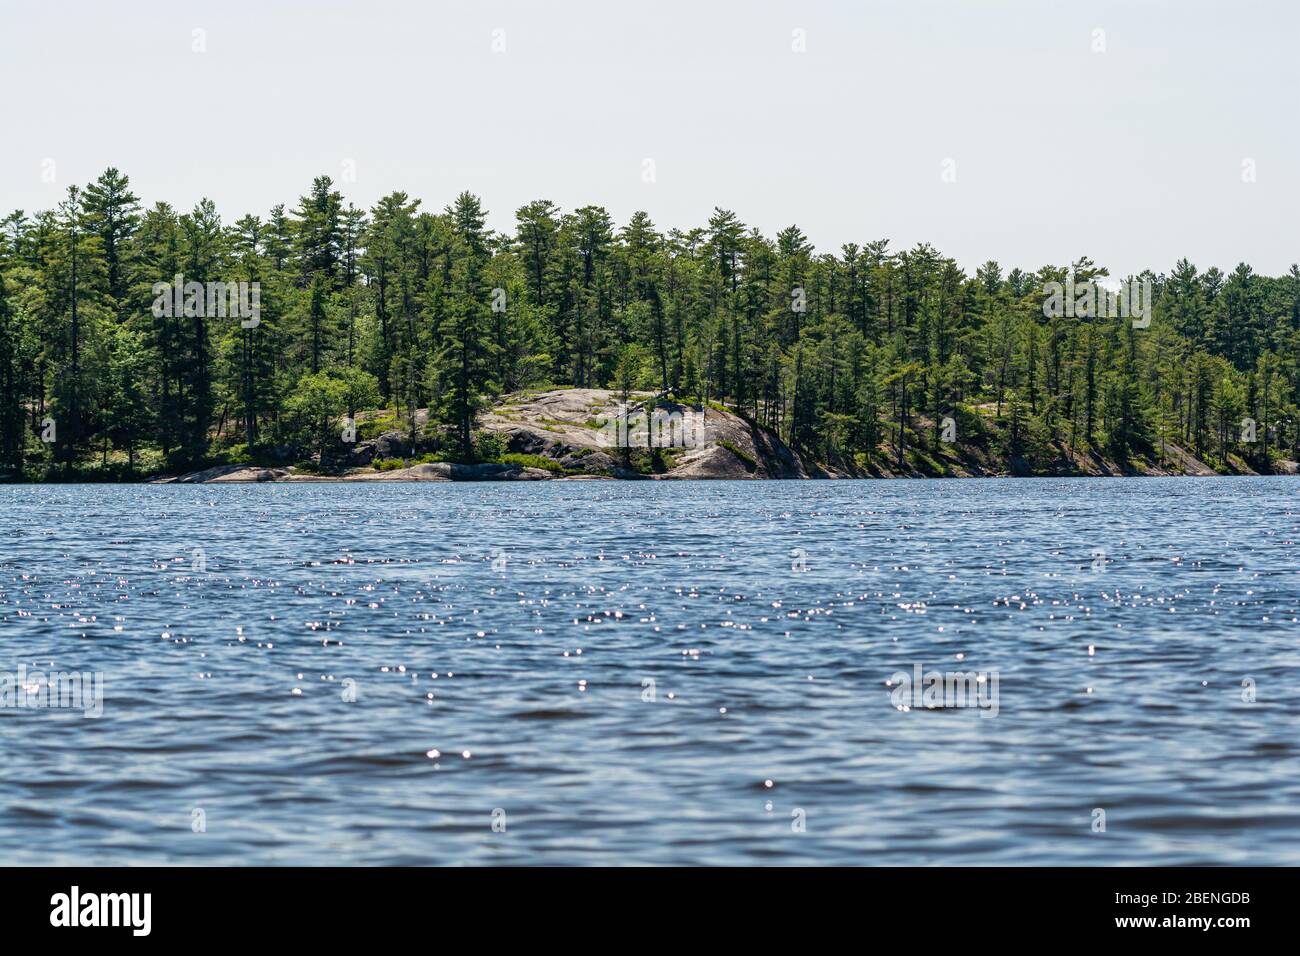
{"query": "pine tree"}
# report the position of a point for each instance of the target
(11, 411)
(112, 213)
(461, 365)
(318, 234)
(840, 353)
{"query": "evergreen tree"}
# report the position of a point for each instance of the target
(854, 357)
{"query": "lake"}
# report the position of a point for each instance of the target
(652, 672)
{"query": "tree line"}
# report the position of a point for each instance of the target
(864, 356)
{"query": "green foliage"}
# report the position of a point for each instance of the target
(374, 427)
(746, 459)
(854, 357)
(531, 461)
(393, 464)
(318, 402)
(488, 446)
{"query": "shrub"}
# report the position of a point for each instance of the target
(374, 427)
(532, 461)
(489, 445)
(745, 459)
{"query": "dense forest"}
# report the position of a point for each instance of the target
(850, 357)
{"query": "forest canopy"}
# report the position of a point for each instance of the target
(850, 357)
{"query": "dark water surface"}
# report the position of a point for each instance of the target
(226, 672)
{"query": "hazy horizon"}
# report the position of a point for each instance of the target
(1133, 156)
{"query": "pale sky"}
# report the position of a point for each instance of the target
(1133, 156)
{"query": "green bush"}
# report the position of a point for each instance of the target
(489, 445)
(745, 459)
(532, 461)
(374, 427)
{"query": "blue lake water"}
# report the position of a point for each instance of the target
(654, 672)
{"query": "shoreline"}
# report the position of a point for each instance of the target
(383, 478)
(585, 434)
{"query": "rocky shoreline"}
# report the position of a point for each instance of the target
(575, 433)
(431, 471)
(571, 434)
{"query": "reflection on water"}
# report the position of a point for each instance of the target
(653, 672)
